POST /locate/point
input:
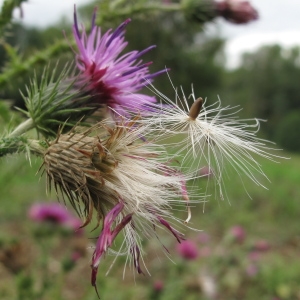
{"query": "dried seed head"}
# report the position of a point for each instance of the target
(77, 164)
(99, 167)
(125, 178)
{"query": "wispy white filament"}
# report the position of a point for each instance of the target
(215, 138)
(147, 185)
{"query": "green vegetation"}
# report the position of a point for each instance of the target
(44, 262)
(271, 215)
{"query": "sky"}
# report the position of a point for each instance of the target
(279, 22)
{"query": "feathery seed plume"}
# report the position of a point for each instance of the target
(211, 135)
(125, 179)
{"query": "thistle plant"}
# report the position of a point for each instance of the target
(103, 145)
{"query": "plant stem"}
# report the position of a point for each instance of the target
(138, 9)
(9, 145)
(22, 128)
(37, 147)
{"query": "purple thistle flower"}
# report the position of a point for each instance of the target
(158, 286)
(114, 79)
(53, 213)
(262, 246)
(236, 11)
(251, 270)
(237, 233)
(203, 238)
(188, 250)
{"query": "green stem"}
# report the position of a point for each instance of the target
(10, 145)
(22, 128)
(37, 147)
(7, 11)
(124, 12)
(151, 7)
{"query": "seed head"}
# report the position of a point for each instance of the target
(126, 179)
(211, 135)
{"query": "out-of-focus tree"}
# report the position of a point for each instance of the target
(24, 41)
(267, 85)
(193, 57)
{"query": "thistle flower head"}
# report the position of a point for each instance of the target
(237, 11)
(114, 78)
(212, 135)
(124, 178)
(188, 250)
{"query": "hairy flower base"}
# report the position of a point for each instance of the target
(124, 178)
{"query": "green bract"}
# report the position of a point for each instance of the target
(56, 102)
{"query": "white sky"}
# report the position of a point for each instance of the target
(279, 22)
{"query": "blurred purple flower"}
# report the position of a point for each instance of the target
(238, 233)
(236, 11)
(206, 171)
(114, 79)
(251, 270)
(254, 256)
(188, 250)
(76, 255)
(262, 246)
(53, 213)
(203, 238)
(205, 251)
(158, 286)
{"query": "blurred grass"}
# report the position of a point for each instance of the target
(271, 214)
(20, 185)
(268, 208)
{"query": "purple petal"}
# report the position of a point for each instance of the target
(94, 18)
(136, 258)
(139, 54)
(76, 23)
(117, 32)
(178, 235)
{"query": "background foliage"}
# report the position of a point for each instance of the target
(265, 85)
